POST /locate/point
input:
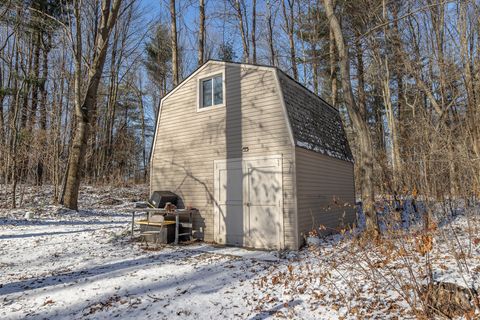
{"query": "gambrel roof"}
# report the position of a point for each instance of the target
(316, 125)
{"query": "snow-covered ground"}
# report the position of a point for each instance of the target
(67, 265)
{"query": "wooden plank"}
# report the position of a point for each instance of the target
(155, 224)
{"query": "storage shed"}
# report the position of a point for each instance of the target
(262, 158)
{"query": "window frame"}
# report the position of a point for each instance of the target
(200, 81)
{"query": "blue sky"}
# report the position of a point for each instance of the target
(218, 31)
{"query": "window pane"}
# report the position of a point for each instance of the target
(207, 93)
(217, 90)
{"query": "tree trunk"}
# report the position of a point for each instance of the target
(2, 117)
(110, 112)
(83, 112)
(173, 17)
(57, 125)
(391, 119)
(243, 31)
(14, 145)
(362, 101)
(42, 84)
(270, 34)
(254, 27)
(201, 34)
(43, 109)
(142, 117)
(13, 116)
(333, 69)
(363, 137)
(315, 59)
(290, 26)
(24, 112)
(398, 75)
(76, 161)
(392, 125)
(32, 119)
(469, 81)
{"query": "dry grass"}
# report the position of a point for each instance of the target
(401, 274)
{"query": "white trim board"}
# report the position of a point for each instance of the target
(200, 94)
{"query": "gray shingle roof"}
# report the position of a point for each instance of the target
(315, 124)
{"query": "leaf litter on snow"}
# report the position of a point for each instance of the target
(67, 264)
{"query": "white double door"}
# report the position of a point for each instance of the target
(248, 202)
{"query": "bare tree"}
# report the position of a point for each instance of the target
(254, 27)
(290, 29)
(416, 96)
(84, 108)
(333, 69)
(174, 35)
(362, 137)
(239, 8)
(201, 33)
(270, 26)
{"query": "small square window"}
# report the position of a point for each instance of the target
(211, 91)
